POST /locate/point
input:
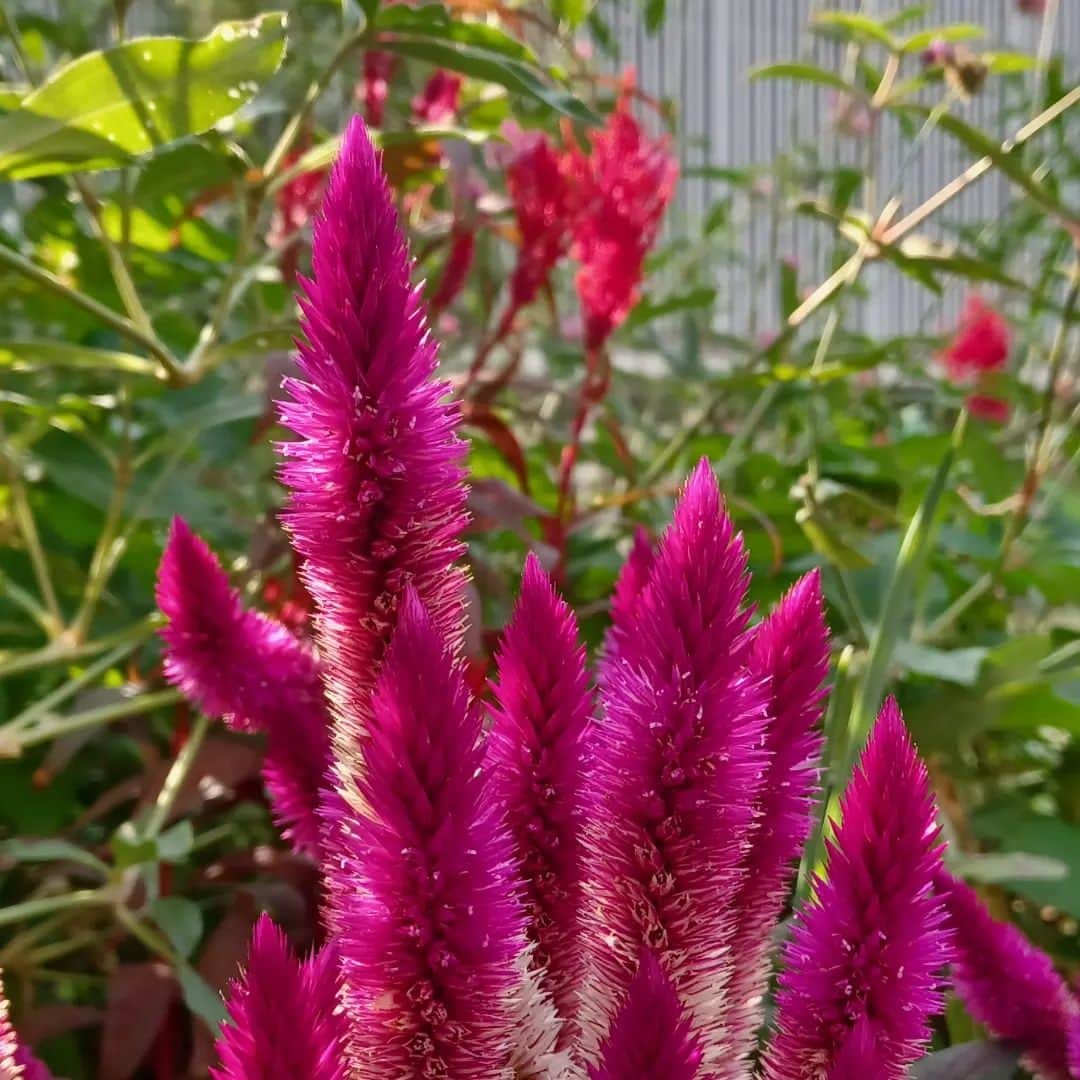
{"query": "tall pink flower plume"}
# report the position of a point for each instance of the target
(629, 585)
(670, 785)
(16, 1061)
(283, 1015)
(535, 753)
(1008, 984)
(249, 670)
(651, 1038)
(1074, 1047)
(791, 651)
(863, 966)
(624, 185)
(432, 931)
(376, 499)
(543, 207)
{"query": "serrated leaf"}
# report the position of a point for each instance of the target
(109, 106)
(181, 920)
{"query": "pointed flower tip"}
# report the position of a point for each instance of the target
(651, 1036)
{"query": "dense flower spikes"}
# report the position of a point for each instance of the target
(1008, 984)
(431, 928)
(624, 185)
(981, 342)
(250, 670)
(283, 1015)
(651, 1038)
(790, 652)
(863, 965)
(376, 494)
(675, 765)
(536, 753)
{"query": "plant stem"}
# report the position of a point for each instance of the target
(104, 714)
(174, 780)
(31, 909)
(113, 319)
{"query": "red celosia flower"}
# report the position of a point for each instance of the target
(284, 1016)
(674, 769)
(1008, 984)
(981, 342)
(374, 86)
(437, 103)
(431, 931)
(624, 185)
(543, 207)
(790, 651)
(652, 1037)
(456, 270)
(376, 495)
(862, 968)
(295, 204)
(988, 407)
(536, 751)
(252, 672)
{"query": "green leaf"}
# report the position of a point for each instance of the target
(106, 107)
(257, 343)
(181, 920)
(650, 309)
(201, 998)
(491, 66)
(432, 21)
(130, 848)
(1009, 63)
(174, 844)
(855, 27)
(956, 32)
(969, 1061)
(571, 12)
(34, 355)
(805, 73)
(52, 851)
(960, 666)
(998, 869)
(655, 13)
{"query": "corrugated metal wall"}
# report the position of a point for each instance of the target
(700, 61)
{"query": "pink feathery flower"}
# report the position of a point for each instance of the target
(543, 205)
(863, 965)
(981, 343)
(1074, 1047)
(251, 671)
(791, 652)
(1007, 983)
(632, 579)
(17, 1062)
(283, 1015)
(535, 753)
(624, 185)
(431, 929)
(988, 407)
(377, 499)
(374, 88)
(456, 270)
(651, 1038)
(437, 103)
(673, 773)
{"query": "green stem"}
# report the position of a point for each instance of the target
(177, 774)
(47, 905)
(104, 714)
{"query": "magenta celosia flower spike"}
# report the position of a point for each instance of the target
(432, 931)
(1074, 1048)
(862, 969)
(16, 1061)
(376, 499)
(284, 1020)
(651, 1038)
(675, 763)
(632, 579)
(791, 651)
(535, 753)
(1008, 984)
(252, 671)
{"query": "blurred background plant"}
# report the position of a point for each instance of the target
(156, 212)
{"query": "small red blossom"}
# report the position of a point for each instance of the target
(543, 206)
(458, 264)
(295, 204)
(437, 103)
(988, 407)
(624, 186)
(374, 86)
(981, 342)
